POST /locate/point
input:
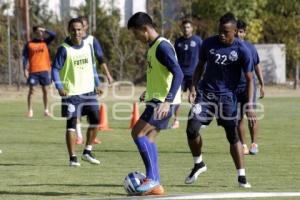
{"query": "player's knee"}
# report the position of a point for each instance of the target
(193, 128)
(94, 119)
(232, 134)
(71, 124)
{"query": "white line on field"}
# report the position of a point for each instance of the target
(229, 195)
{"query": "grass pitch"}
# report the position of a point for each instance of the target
(34, 160)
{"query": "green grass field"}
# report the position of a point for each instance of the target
(34, 161)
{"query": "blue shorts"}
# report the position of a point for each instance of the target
(210, 105)
(149, 114)
(42, 78)
(186, 83)
(80, 105)
(242, 100)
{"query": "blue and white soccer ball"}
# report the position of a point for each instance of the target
(132, 181)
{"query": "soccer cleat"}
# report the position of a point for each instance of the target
(245, 185)
(30, 114)
(97, 141)
(147, 186)
(243, 182)
(175, 124)
(196, 171)
(74, 162)
(254, 149)
(245, 149)
(79, 140)
(158, 190)
(90, 158)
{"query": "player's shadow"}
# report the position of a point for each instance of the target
(15, 164)
(41, 193)
(134, 151)
(71, 185)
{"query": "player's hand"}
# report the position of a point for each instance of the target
(142, 97)
(251, 116)
(99, 91)
(163, 110)
(262, 92)
(192, 95)
(62, 93)
(26, 73)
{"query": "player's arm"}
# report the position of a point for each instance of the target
(100, 57)
(198, 72)
(58, 64)
(166, 55)
(248, 71)
(51, 36)
(196, 78)
(258, 72)
(97, 81)
(25, 56)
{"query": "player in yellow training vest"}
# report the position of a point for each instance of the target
(76, 80)
(164, 78)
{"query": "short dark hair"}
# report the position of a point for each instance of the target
(228, 18)
(74, 20)
(186, 21)
(84, 18)
(241, 24)
(35, 28)
(139, 19)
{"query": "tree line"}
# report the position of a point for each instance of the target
(269, 21)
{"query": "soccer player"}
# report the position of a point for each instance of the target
(224, 56)
(77, 82)
(37, 65)
(242, 93)
(164, 77)
(98, 53)
(187, 49)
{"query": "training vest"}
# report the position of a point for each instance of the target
(77, 75)
(89, 40)
(159, 78)
(39, 58)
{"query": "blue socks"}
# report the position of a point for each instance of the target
(148, 152)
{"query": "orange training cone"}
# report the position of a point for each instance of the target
(103, 126)
(135, 114)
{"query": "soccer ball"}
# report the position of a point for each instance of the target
(132, 181)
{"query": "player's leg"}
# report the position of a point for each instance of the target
(176, 115)
(195, 145)
(253, 130)
(228, 117)
(44, 80)
(79, 139)
(200, 114)
(45, 101)
(176, 123)
(144, 134)
(29, 101)
(241, 105)
(90, 108)
(236, 151)
(70, 141)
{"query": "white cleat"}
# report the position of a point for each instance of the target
(194, 174)
(89, 158)
(245, 185)
(74, 164)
